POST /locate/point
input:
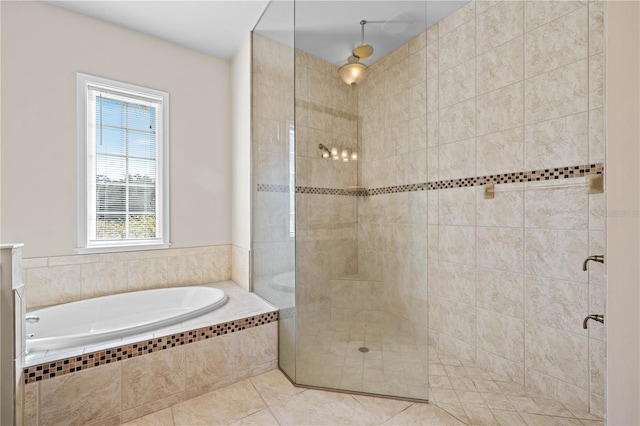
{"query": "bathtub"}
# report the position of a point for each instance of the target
(105, 318)
(284, 282)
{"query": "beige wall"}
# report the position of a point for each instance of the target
(241, 163)
(5, 337)
(241, 146)
(43, 48)
(623, 203)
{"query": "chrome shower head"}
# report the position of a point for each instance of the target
(326, 152)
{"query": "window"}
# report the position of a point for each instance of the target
(123, 185)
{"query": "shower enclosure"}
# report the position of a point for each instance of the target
(371, 231)
(347, 268)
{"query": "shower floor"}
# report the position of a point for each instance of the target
(460, 397)
(330, 354)
(395, 365)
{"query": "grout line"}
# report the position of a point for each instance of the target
(524, 216)
(551, 20)
(475, 198)
(173, 416)
(589, 201)
(267, 406)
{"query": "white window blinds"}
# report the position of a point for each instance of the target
(123, 178)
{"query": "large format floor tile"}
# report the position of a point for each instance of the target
(461, 393)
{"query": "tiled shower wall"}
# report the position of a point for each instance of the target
(61, 279)
(326, 224)
(392, 227)
(516, 86)
(496, 88)
(272, 122)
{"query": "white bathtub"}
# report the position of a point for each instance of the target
(284, 282)
(109, 317)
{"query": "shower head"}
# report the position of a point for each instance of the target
(326, 152)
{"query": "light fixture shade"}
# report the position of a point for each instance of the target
(353, 73)
(363, 51)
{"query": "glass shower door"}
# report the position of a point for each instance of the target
(361, 224)
(273, 174)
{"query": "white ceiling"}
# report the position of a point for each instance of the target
(210, 26)
(328, 29)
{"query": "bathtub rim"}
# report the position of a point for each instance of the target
(69, 342)
(236, 309)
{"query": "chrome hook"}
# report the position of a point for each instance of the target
(596, 258)
(595, 317)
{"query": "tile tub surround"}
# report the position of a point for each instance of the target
(55, 280)
(240, 268)
(148, 373)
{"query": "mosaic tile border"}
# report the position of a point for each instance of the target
(517, 177)
(265, 187)
(61, 367)
(262, 187)
(325, 110)
(360, 192)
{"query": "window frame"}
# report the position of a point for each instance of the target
(163, 226)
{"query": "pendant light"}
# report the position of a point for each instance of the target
(353, 72)
(364, 50)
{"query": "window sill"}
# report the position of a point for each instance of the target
(121, 248)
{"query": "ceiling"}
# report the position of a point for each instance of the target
(331, 29)
(327, 29)
(213, 27)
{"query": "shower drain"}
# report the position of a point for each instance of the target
(363, 349)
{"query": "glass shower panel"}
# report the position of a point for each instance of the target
(361, 241)
(273, 177)
(340, 183)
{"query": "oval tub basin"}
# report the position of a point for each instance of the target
(284, 282)
(110, 317)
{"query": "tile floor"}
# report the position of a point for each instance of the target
(328, 356)
(462, 393)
